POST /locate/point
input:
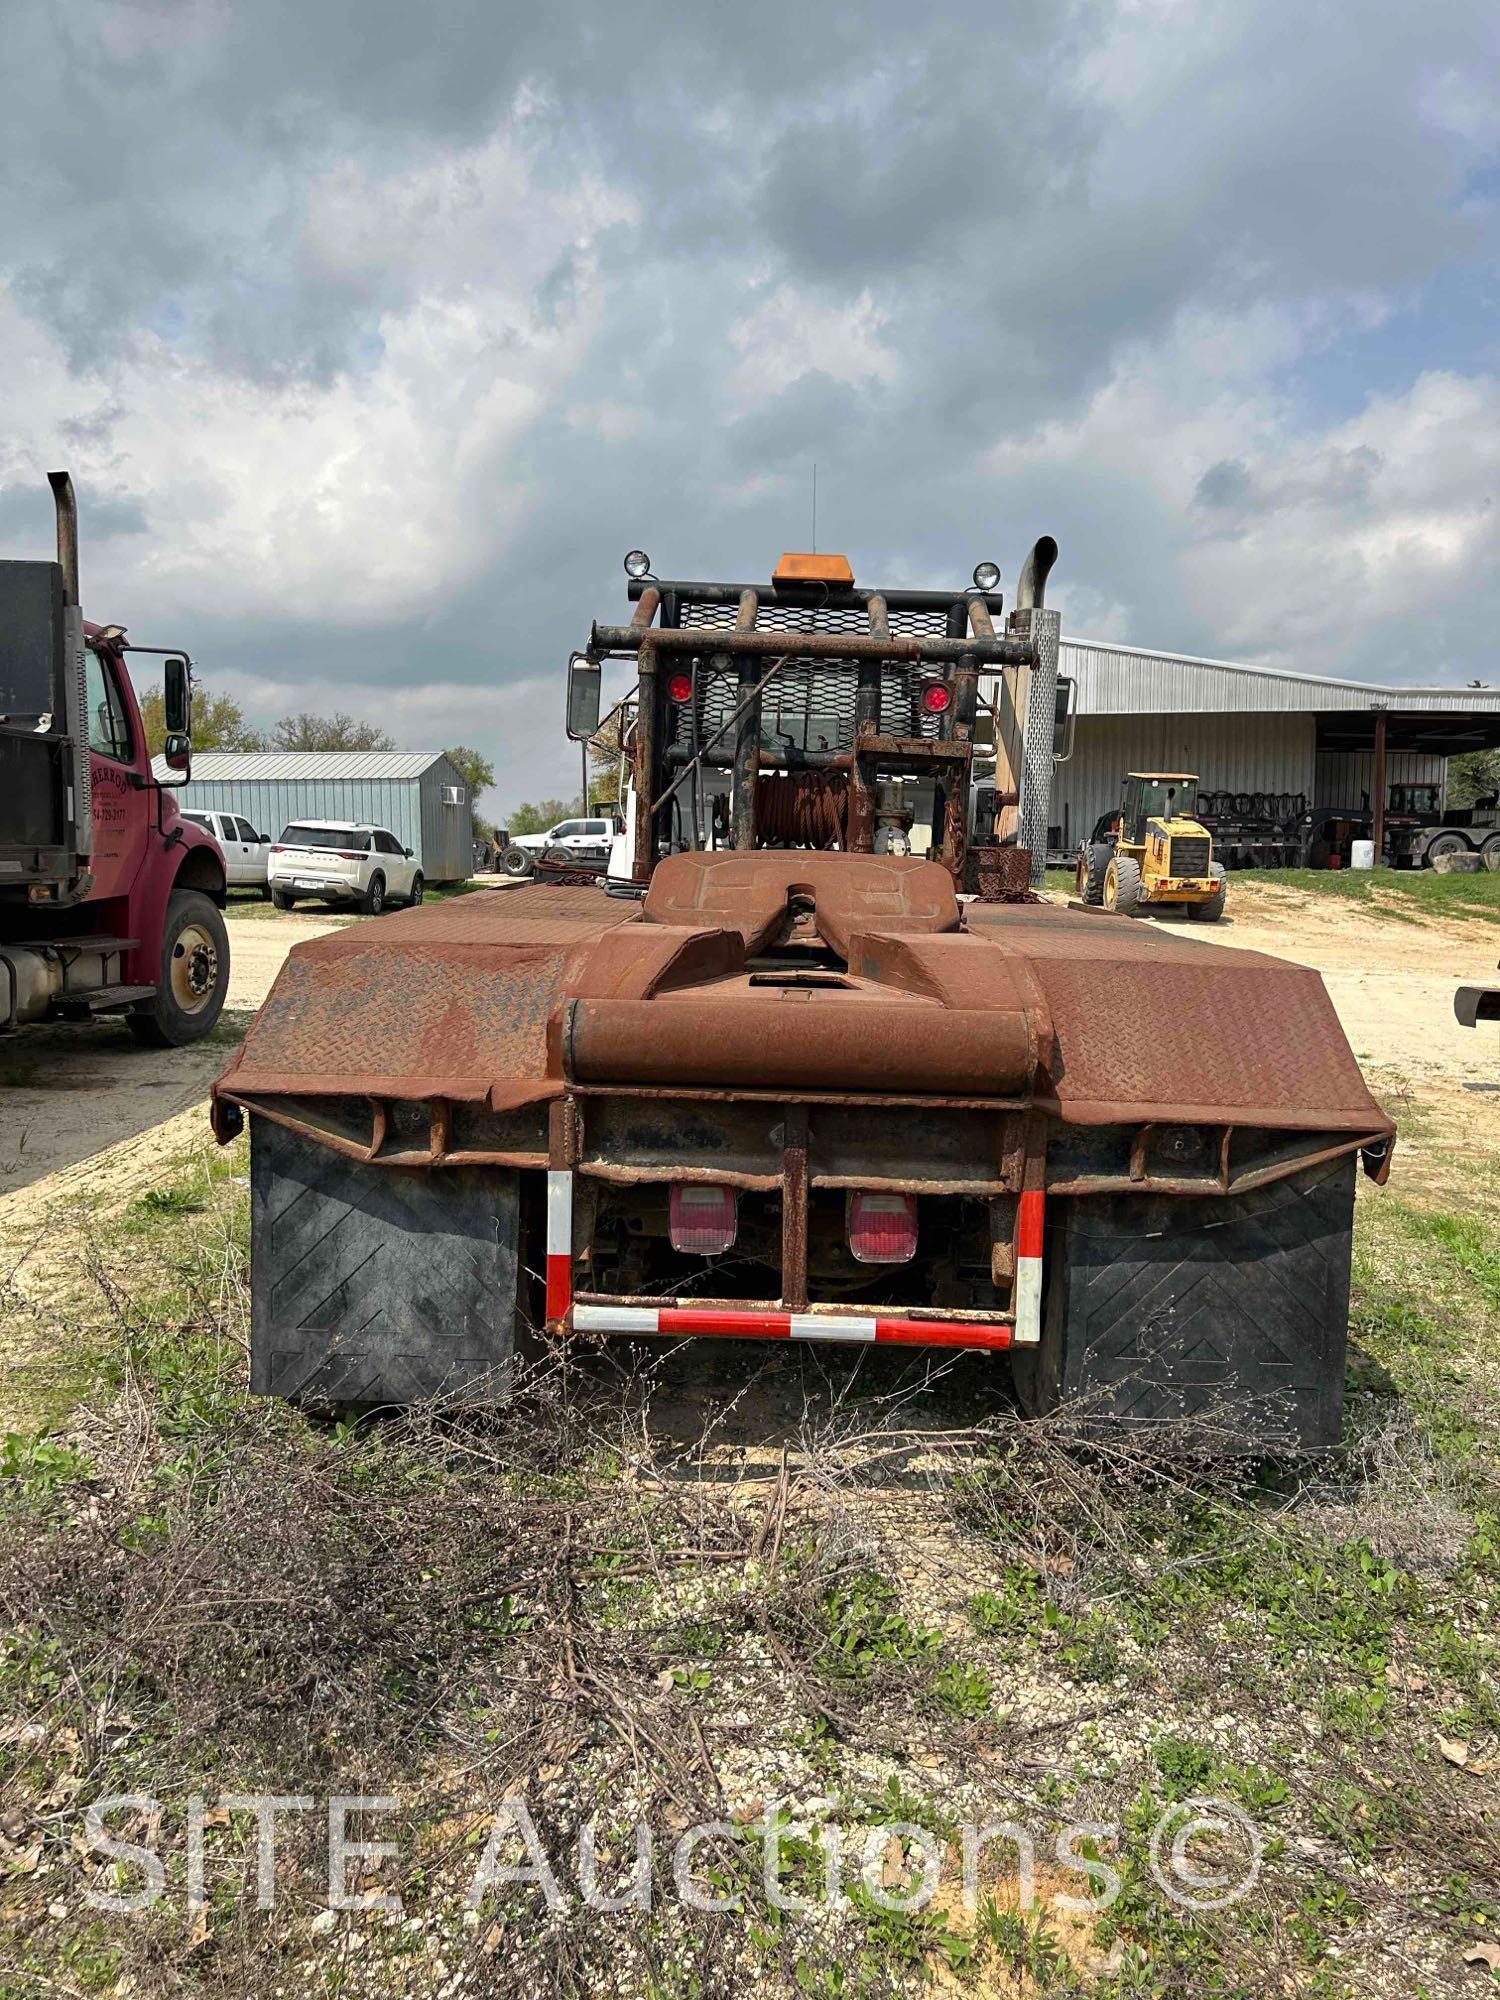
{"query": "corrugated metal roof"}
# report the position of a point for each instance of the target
(242, 765)
(1130, 680)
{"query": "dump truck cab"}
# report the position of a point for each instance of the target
(110, 900)
(789, 1084)
(1153, 851)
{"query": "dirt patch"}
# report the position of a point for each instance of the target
(259, 943)
(68, 1094)
(45, 1225)
(1392, 982)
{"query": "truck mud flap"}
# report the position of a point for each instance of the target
(376, 1286)
(1234, 1309)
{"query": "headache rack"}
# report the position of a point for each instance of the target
(810, 694)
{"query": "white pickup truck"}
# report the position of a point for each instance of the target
(581, 843)
(245, 851)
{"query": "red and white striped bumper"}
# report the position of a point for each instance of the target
(726, 1322)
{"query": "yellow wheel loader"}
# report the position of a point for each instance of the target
(1151, 852)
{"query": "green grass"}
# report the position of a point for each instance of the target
(250, 906)
(1252, 1637)
(1390, 892)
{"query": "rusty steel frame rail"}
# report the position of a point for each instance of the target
(440, 1152)
(853, 646)
(874, 1100)
(1223, 1182)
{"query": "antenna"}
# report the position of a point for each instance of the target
(815, 507)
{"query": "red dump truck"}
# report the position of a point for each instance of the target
(782, 1080)
(110, 901)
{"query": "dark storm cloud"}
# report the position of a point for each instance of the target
(957, 160)
(1004, 216)
(1225, 485)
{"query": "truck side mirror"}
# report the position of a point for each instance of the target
(585, 678)
(178, 755)
(177, 702)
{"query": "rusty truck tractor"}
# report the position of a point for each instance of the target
(776, 1083)
(110, 901)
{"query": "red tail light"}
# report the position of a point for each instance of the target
(704, 1220)
(883, 1228)
(680, 687)
(277, 848)
(936, 697)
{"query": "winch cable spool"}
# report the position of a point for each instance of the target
(802, 809)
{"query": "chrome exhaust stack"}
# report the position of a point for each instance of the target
(1031, 584)
(80, 813)
(67, 533)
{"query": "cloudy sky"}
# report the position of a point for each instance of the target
(375, 333)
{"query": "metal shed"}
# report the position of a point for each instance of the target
(1250, 729)
(420, 796)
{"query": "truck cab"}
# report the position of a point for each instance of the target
(110, 901)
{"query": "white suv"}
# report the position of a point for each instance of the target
(337, 861)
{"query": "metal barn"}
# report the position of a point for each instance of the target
(1250, 730)
(418, 795)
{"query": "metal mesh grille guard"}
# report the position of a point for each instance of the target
(810, 704)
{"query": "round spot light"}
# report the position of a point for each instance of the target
(637, 564)
(986, 575)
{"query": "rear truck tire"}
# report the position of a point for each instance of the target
(1489, 854)
(372, 902)
(193, 978)
(280, 900)
(418, 886)
(1231, 1308)
(1122, 886)
(1211, 911)
(1447, 843)
(374, 1287)
(516, 861)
